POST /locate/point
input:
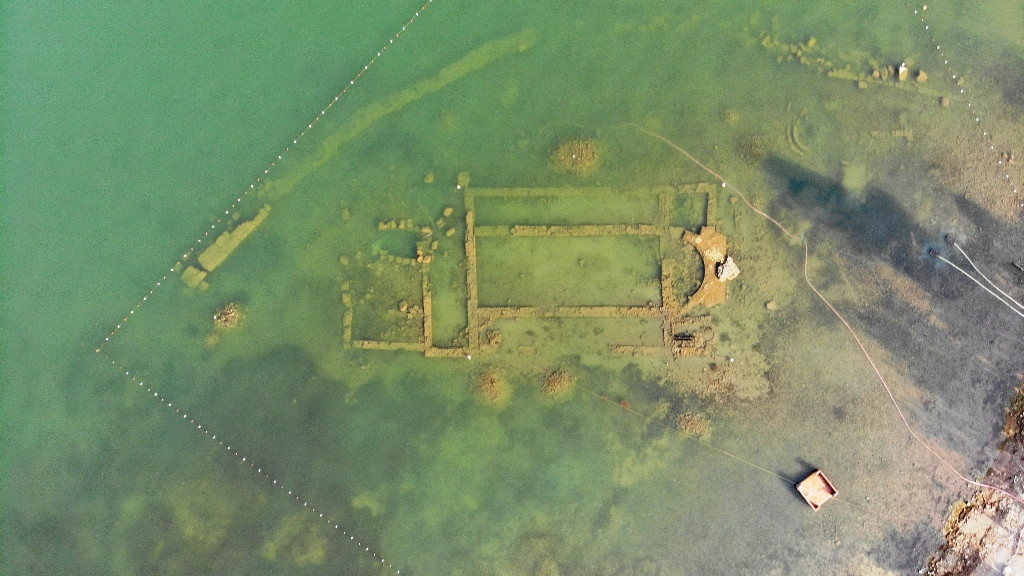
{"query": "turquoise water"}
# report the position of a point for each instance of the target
(128, 132)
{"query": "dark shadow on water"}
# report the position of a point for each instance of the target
(791, 479)
(872, 223)
(1008, 75)
(987, 226)
(940, 345)
(906, 549)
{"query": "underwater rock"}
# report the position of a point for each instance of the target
(558, 383)
(694, 424)
(228, 316)
(579, 157)
(491, 388)
(727, 270)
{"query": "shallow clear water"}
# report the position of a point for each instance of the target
(130, 133)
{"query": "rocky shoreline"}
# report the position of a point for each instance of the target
(985, 536)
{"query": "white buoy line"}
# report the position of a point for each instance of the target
(986, 135)
(211, 233)
(190, 420)
(261, 471)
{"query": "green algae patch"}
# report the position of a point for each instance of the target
(566, 271)
(202, 516)
(298, 540)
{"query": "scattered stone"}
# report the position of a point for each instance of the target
(902, 72)
(727, 270)
(693, 424)
(558, 383)
(491, 388)
(579, 157)
(228, 316)
(423, 257)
